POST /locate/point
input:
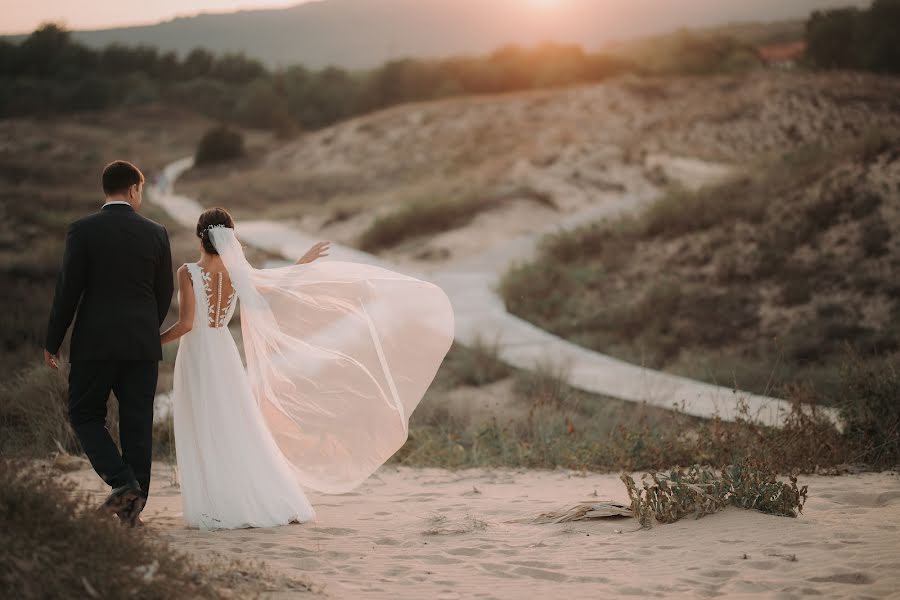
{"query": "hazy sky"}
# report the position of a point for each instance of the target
(22, 16)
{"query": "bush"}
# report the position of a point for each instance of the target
(420, 218)
(678, 493)
(54, 545)
(219, 144)
(33, 414)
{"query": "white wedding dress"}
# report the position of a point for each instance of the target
(231, 472)
(338, 355)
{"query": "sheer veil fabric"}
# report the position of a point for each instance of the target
(338, 356)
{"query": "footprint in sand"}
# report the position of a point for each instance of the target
(539, 574)
(496, 569)
(465, 551)
(854, 578)
(386, 541)
(334, 530)
(439, 560)
(867, 500)
(718, 573)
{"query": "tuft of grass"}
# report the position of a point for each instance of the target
(871, 409)
(477, 364)
(434, 215)
(33, 414)
(53, 544)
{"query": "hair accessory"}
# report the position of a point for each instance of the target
(210, 227)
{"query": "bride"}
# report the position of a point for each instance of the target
(338, 355)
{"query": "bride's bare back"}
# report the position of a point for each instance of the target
(220, 295)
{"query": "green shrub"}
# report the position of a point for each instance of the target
(219, 144)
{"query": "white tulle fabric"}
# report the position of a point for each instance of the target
(338, 356)
(231, 471)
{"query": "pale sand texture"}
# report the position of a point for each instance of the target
(437, 534)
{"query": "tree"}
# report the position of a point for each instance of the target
(197, 64)
(832, 38)
(40, 52)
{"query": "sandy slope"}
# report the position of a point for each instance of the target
(431, 533)
(539, 157)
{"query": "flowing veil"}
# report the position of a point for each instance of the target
(338, 355)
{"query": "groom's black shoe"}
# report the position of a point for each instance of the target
(131, 514)
(122, 501)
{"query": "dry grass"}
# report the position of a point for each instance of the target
(53, 544)
(34, 419)
(548, 424)
(668, 497)
(434, 215)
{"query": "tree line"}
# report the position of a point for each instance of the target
(51, 73)
(850, 38)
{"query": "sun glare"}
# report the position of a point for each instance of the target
(543, 3)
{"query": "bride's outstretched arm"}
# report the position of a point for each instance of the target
(318, 250)
(185, 308)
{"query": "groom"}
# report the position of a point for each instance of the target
(118, 265)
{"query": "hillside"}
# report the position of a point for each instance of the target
(757, 282)
(328, 32)
(513, 162)
(432, 185)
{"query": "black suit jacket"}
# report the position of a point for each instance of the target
(119, 266)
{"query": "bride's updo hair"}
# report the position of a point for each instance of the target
(210, 217)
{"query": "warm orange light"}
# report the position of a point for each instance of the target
(543, 3)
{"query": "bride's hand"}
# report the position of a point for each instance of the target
(318, 250)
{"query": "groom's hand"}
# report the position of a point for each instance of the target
(52, 360)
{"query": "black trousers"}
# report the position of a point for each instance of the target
(134, 384)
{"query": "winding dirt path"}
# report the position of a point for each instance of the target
(471, 285)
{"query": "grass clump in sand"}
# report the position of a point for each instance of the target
(668, 497)
(53, 544)
(441, 525)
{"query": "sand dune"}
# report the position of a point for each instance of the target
(431, 533)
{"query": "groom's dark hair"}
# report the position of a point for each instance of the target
(210, 217)
(119, 175)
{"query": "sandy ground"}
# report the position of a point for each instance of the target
(432, 533)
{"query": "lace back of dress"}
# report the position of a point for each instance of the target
(220, 296)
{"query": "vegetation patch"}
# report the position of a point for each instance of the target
(435, 215)
(668, 497)
(757, 282)
(53, 544)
